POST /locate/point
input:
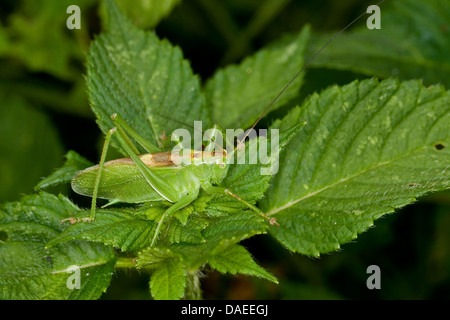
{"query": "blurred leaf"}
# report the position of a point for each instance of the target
(369, 147)
(413, 42)
(221, 233)
(147, 13)
(38, 36)
(238, 94)
(29, 147)
(144, 79)
(30, 270)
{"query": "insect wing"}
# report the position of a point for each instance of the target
(121, 181)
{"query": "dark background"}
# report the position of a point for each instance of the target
(410, 246)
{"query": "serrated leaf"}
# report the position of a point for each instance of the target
(74, 162)
(236, 259)
(369, 147)
(144, 79)
(191, 232)
(168, 281)
(416, 33)
(238, 94)
(29, 270)
(120, 229)
(29, 40)
(249, 177)
(221, 233)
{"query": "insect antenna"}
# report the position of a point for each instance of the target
(191, 127)
(306, 65)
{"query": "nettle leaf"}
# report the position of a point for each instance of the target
(254, 167)
(416, 33)
(191, 232)
(30, 270)
(238, 94)
(29, 40)
(369, 147)
(168, 281)
(144, 79)
(236, 259)
(221, 233)
(250, 174)
(121, 229)
(74, 162)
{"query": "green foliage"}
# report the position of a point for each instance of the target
(348, 155)
(413, 43)
(147, 14)
(236, 259)
(369, 148)
(146, 75)
(31, 270)
(238, 94)
(74, 162)
(35, 141)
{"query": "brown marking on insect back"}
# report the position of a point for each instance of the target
(160, 159)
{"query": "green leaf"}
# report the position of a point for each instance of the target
(120, 229)
(30, 148)
(147, 13)
(191, 232)
(144, 79)
(153, 258)
(168, 281)
(221, 233)
(413, 43)
(369, 147)
(236, 259)
(249, 177)
(40, 50)
(30, 270)
(238, 94)
(74, 162)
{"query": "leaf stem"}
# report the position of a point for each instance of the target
(125, 262)
(193, 289)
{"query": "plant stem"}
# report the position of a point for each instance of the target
(123, 262)
(193, 290)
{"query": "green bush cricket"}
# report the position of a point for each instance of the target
(163, 176)
(155, 176)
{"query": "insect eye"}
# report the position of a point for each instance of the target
(221, 164)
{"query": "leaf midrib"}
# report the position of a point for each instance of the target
(291, 203)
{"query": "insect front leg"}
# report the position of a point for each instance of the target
(184, 201)
(221, 190)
